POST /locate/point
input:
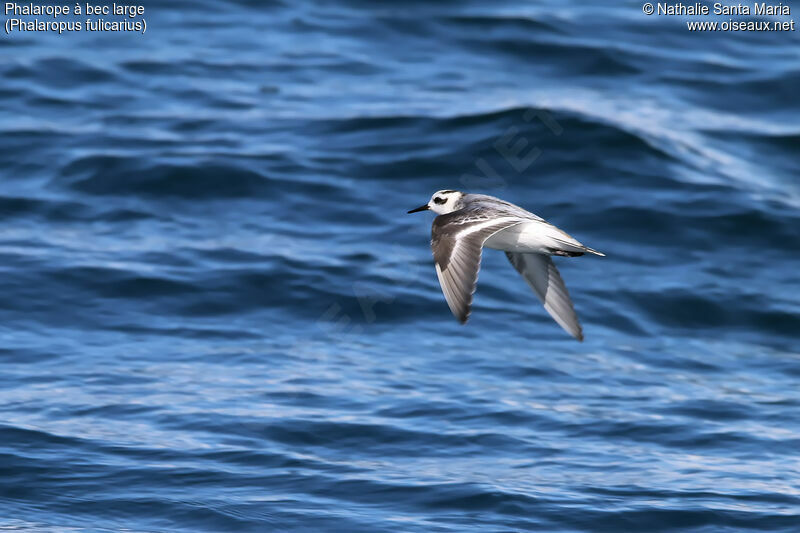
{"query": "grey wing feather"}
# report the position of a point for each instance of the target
(457, 243)
(500, 207)
(542, 275)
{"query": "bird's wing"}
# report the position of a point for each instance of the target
(542, 275)
(457, 240)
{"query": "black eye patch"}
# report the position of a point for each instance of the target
(438, 200)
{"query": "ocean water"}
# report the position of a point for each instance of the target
(216, 315)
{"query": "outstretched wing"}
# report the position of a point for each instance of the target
(457, 240)
(542, 275)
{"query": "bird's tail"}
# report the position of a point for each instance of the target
(573, 249)
(592, 251)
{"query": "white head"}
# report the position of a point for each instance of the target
(442, 202)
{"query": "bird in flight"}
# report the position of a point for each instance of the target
(469, 222)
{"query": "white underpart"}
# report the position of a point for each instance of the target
(478, 226)
(533, 236)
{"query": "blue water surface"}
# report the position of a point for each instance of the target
(216, 315)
